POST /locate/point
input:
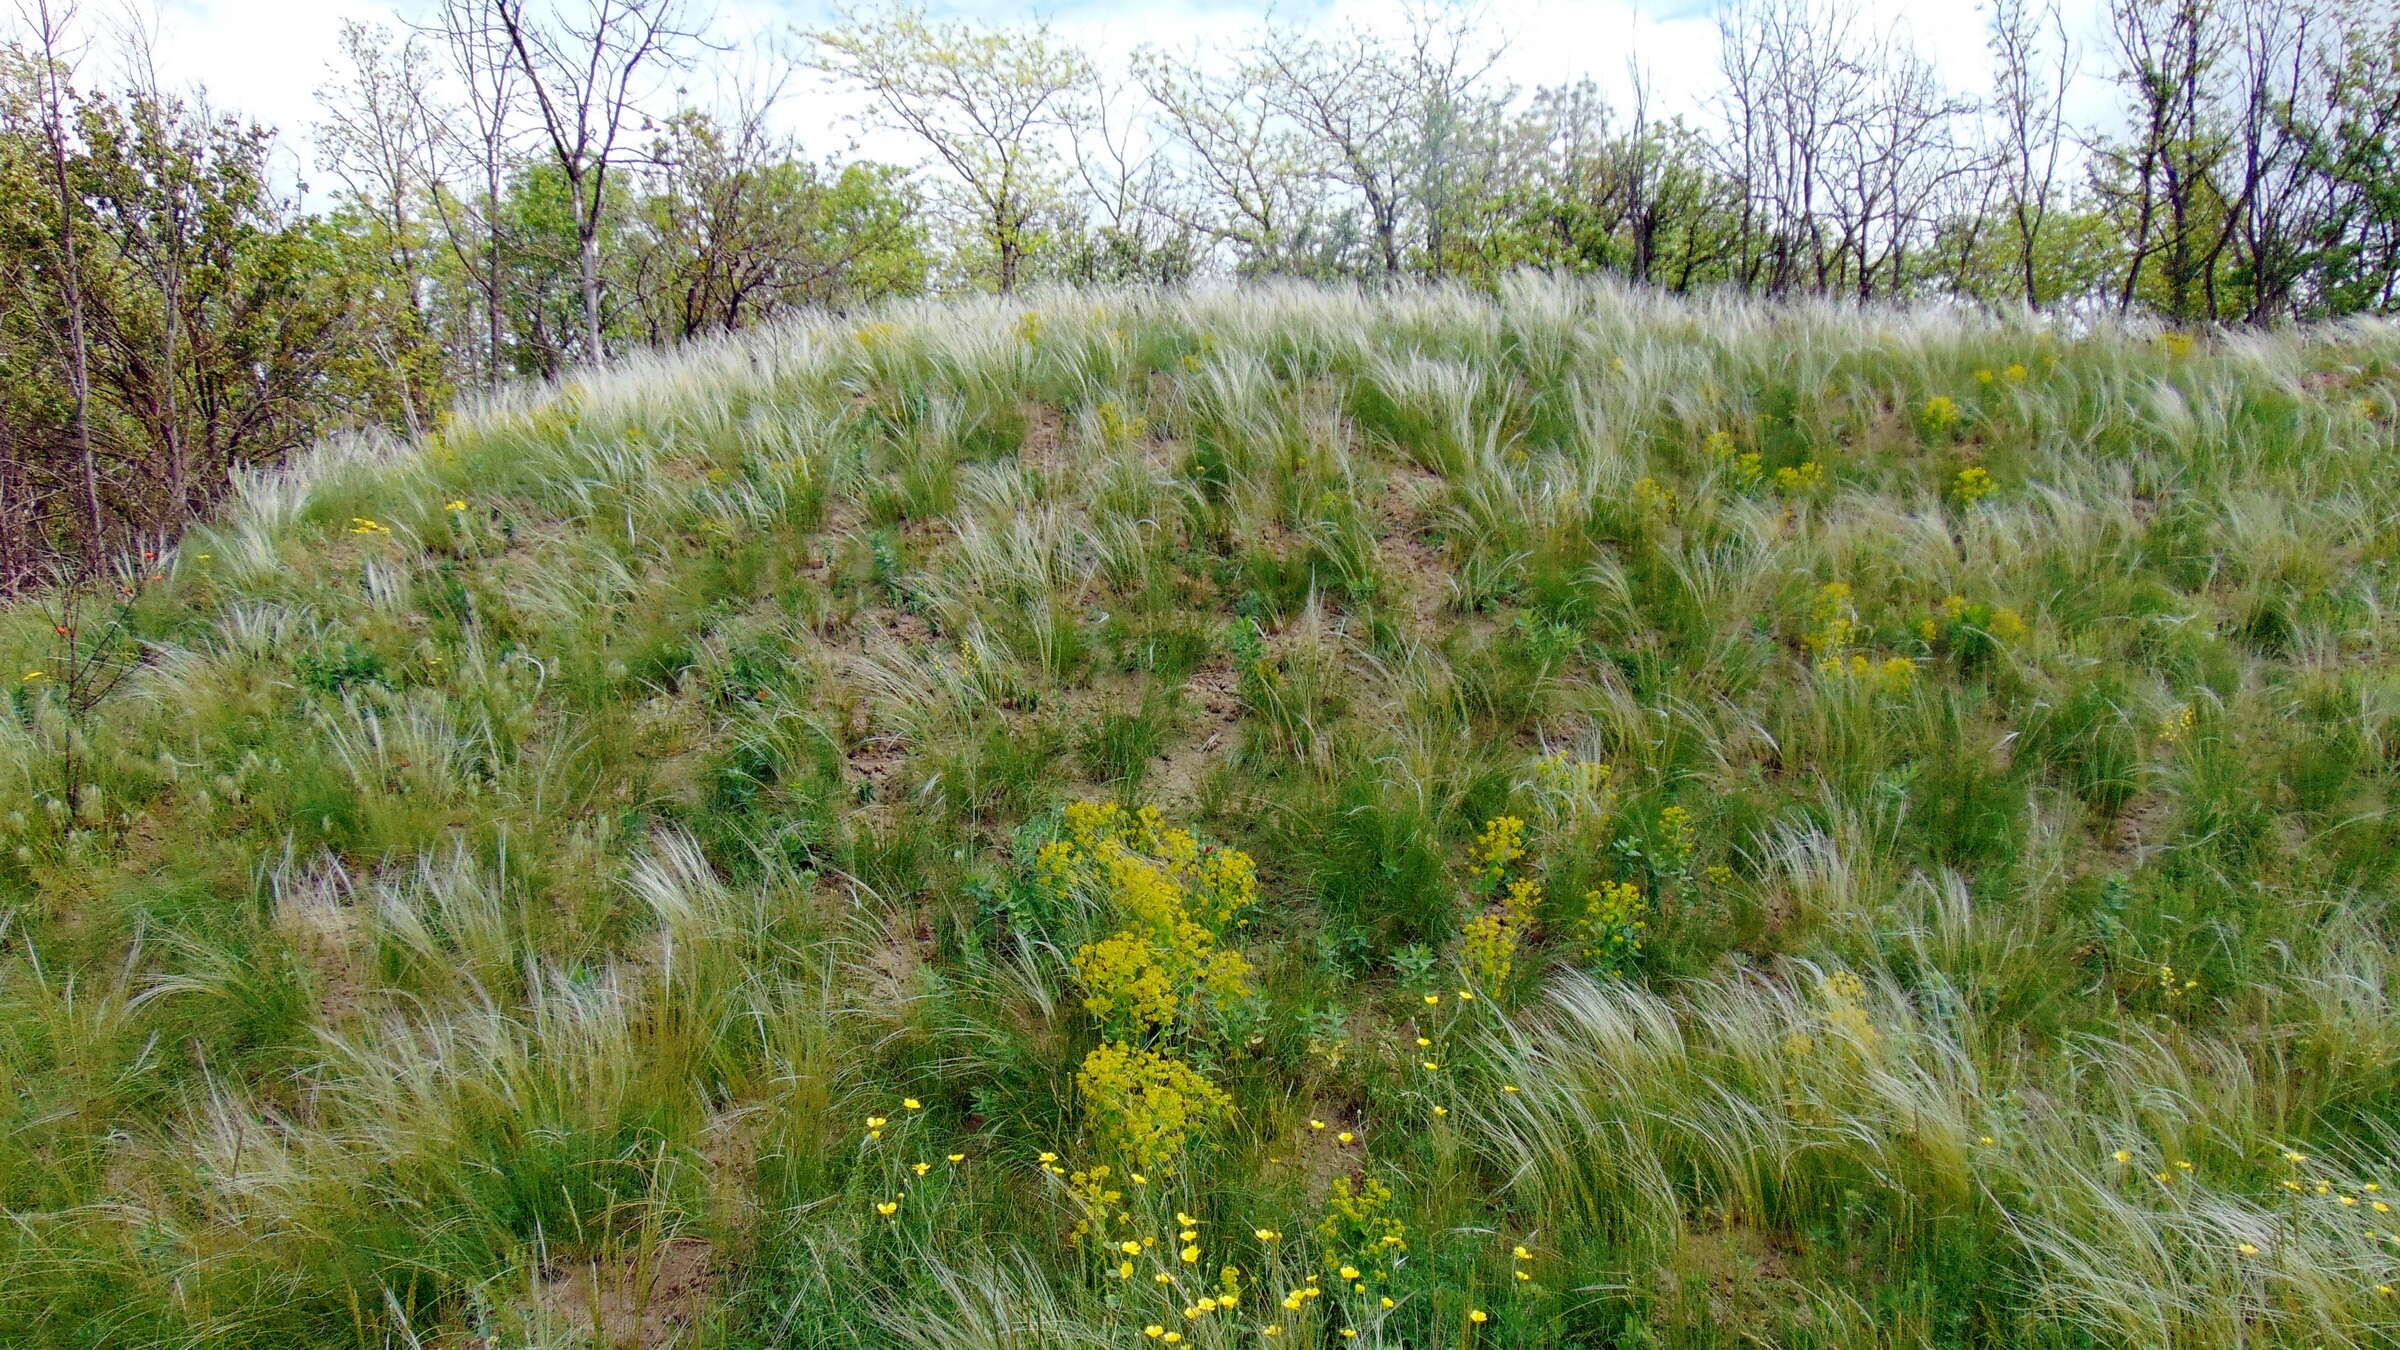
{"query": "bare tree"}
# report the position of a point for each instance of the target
(1242, 171)
(2034, 62)
(50, 26)
(1353, 103)
(586, 72)
(991, 106)
(470, 33)
(377, 139)
(2166, 51)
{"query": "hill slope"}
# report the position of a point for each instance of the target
(1707, 826)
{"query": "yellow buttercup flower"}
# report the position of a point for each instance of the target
(1478, 1316)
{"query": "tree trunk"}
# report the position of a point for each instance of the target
(79, 370)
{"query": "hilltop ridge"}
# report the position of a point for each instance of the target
(1668, 822)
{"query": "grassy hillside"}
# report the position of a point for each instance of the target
(1671, 826)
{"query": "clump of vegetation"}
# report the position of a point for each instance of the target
(1196, 819)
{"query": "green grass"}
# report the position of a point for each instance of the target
(504, 921)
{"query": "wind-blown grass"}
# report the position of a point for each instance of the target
(592, 877)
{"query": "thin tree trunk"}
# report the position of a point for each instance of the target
(79, 374)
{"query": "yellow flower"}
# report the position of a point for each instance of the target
(1346, 1137)
(1316, 1124)
(912, 1104)
(1125, 1270)
(1154, 1331)
(1441, 1111)
(2122, 1155)
(1387, 1301)
(1431, 1067)
(1349, 1333)
(958, 1157)
(877, 1123)
(1266, 1234)
(1466, 996)
(923, 1168)
(1349, 1272)
(455, 506)
(1523, 1253)
(1973, 484)
(1190, 1255)
(1047, 1157)
(1508, 1087)
(1271, 1329)
(1478, 1316)
(2247, 1250)
(887, 1208)
(1432, 1000)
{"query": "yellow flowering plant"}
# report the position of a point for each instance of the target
(1491, 938)
(1147, 1106)
(1971, 632)
(1611, 927)
(1163, 973)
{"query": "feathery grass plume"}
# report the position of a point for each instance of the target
(581, 875)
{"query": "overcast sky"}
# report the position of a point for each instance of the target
(266, 58)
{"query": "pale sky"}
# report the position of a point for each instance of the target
(266, 58)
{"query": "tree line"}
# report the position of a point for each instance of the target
(514, 187)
